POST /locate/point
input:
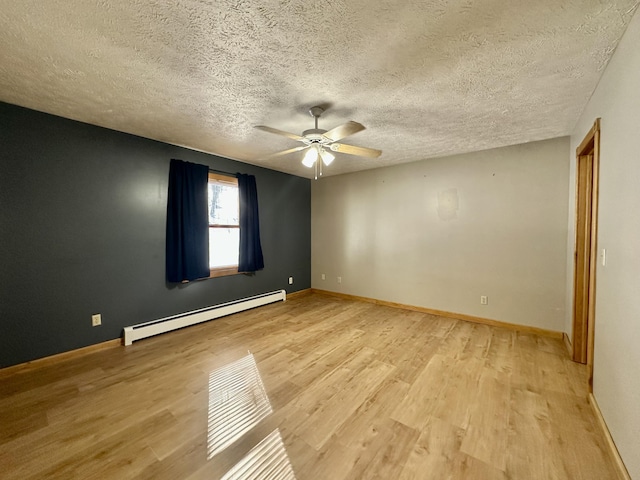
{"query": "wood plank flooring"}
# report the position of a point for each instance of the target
(356, 391)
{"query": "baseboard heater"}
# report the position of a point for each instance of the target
(162, 325)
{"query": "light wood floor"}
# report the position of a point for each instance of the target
(355, 391)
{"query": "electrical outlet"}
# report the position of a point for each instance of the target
(484, 300)
(339, 279)
(290, 280)
(96, 319)
(323, 276)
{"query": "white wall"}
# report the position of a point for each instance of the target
(442, 232)
(617, 324)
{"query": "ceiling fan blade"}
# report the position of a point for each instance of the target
(353, 150)
(344, 130)
(279, 132)
(286, 152)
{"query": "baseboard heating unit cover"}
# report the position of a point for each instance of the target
(162, 325)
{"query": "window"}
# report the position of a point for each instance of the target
(224, 225)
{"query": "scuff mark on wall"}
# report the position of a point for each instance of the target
(448, 204)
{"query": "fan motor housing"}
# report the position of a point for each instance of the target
(315, 135)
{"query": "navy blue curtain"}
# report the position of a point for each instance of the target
(250, 258)
(187, 222)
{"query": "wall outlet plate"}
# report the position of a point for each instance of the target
(290, 280)
(96, 319)
(484, 300)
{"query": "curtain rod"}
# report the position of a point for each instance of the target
(222, 172)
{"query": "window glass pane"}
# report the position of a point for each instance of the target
(223, 204)
(224, 244)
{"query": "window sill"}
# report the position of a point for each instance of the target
(223, 271)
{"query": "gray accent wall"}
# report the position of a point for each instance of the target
(82, 231)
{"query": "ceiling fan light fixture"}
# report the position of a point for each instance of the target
(310, 157)
(320, 144)
(327, 157)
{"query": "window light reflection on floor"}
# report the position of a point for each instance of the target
(237, 402)
(266, 461)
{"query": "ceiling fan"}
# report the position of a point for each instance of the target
(318, 142)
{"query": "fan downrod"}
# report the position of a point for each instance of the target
(315, 112)
(314, 135)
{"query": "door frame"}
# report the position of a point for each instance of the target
(584, 325)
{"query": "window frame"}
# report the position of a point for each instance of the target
(231, 269)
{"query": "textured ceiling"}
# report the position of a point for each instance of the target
(427, 78)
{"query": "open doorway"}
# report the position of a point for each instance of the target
(585, 255)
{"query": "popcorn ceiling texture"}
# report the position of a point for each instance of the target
(426, 77)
